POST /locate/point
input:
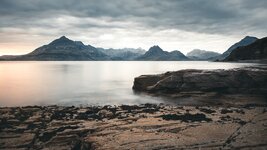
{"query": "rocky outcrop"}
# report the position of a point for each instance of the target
(146, 126)
(244, 81)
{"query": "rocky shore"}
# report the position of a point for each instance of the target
(233, 117)
(145, 126)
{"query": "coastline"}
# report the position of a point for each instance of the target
(147, 126)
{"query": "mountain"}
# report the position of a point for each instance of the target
(198, 54)
(64, 49)
(256, 50)
(244, 42)
(123, 54)
(155, 53)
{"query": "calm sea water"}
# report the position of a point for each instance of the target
(85, 82)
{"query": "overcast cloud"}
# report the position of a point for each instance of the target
(172, 24)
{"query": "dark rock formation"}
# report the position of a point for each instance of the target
(254, 51)
(186, 117)
(247, 81)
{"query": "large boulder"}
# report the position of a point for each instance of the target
(234, 81)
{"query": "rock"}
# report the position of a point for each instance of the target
(207, 110)
(147, 126)
(105, 114)
(143, 82)
(243, 81)
(186, 117)
(13, 140)
(225, 111)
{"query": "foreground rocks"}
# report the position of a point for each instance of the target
(249, 81)
(145, 126)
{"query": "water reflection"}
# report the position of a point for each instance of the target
(92, 83)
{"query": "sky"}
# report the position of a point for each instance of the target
(172, 24)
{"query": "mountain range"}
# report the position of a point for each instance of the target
(124, 53)
(66, 49)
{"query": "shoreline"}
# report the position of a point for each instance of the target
(147, 126)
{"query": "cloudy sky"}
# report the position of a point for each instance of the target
(172, 24)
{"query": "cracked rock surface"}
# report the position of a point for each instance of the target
(145, 126)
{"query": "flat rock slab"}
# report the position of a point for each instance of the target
(201, 82)
(145, 126)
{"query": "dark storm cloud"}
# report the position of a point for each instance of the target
(202, 16)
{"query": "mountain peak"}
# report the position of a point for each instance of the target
(250, 37)
(63, 40)
(63, 37)
(155, 48)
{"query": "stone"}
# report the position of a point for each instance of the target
(194, 82)
(147, 126)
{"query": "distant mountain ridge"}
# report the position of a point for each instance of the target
(155, 53)
(123, 53)
(63, 49)
(198, 54)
